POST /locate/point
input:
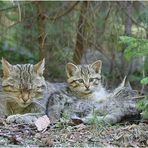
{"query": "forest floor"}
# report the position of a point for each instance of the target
(124, 134)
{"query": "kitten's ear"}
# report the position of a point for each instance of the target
(97, 66)
(70, 68)
(6, 67)
(39, 67)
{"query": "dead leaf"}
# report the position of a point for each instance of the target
(38, 136)
(15, 139)
(42, 123)
(47, 141)
(76, 120)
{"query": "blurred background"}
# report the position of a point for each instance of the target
(79, 32)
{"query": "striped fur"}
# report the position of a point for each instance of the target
(87, 98)
(22, 84)
(84, 79)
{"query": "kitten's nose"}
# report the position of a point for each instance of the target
(25, 97)
(24, 100)
(87, 86)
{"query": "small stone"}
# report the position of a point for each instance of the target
(37, 136)
(47, 141)
(42, 123)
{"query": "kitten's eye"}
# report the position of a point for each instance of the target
(80, 81)
(41, 87)
(98, 79)
(91, 79)
(10, 88)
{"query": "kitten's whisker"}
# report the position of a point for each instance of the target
(8, 97)
(39, 103)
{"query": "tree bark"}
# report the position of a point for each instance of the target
(128, 21)
(127, 32)
(41, 28)
(79, 47)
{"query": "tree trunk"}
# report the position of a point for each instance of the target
(79, 47)
(41, 28)
(127, 32)
(128, 21)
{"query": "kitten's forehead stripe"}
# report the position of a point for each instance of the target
(24, 72)
(84, 70)
(29, 71)
(19, 72)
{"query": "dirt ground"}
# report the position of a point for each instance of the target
(120, 135)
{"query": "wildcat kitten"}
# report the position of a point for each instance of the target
(84, 85)
(23, 86)
(85, 96)
(85, 80)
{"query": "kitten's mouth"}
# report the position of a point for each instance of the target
(24, 104)
(87, 90)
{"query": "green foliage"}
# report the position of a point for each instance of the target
(137, 48)
(64, 121)
(93, 120)
(144, 81)
(143, 106)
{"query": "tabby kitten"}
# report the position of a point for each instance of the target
(85, 96)
(23, 86)
(84, 86)
(85, 80)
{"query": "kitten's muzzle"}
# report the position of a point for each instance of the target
(23, 104)
(25, 100)
(87, 86)
(25, 97)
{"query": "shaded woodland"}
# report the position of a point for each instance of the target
(79, 32)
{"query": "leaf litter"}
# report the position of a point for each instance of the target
(79, 135)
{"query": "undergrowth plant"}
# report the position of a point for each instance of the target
(143, 104)
(138, 48)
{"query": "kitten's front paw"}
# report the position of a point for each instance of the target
(105, 120)
(92, 120)
(21, 119)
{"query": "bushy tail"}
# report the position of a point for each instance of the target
(119, 88)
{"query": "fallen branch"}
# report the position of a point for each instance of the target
(138, 97)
